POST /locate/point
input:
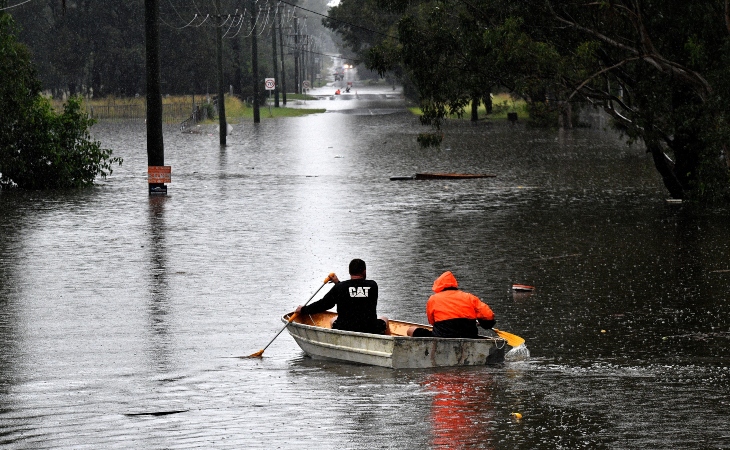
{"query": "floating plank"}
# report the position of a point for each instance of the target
(157, 413)
(396, 178)
(448, 176)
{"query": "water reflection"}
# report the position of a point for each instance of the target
(11, 251)
(158, 275)
(462, 412)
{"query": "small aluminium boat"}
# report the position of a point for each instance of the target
(398, 351)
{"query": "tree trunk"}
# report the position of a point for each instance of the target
(665, 167)
(474, 108)
(565, 116)
(487, 100)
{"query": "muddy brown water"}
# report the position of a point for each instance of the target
(122, 316)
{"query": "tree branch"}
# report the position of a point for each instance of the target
(650, 55)
(607, 69)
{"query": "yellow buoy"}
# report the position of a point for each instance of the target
(517, 415)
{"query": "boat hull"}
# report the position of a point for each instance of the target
(397, 351)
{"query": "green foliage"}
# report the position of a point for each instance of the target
(39, 148)
(209, 110)
(659, 69)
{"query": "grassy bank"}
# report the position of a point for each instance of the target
(236, 110)
(178, 108)
(501, 105)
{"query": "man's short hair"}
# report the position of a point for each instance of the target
(357, 267)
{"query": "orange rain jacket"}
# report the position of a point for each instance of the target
(449, 303)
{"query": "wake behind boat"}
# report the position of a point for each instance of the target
(317, 339)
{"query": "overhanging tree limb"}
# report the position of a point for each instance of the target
(650, 55)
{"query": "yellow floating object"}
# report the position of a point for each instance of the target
(603, 331)
(517, 415)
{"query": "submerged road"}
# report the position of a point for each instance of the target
(123, 317)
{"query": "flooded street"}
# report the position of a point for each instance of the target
(123, 317)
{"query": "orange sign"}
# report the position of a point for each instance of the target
(159, 174)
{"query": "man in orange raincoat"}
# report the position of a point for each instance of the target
(454, 313)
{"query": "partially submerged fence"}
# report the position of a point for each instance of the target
(172, 113)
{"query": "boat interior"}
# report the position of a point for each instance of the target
(324, 320)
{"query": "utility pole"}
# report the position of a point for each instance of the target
(305, 59)
(276, 63)
(296, 55)
(312, 62)
(255, 65)
(221, 86)
(155, 143)
(283, 68)
(304, 56)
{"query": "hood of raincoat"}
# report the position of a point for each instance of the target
(446, 280)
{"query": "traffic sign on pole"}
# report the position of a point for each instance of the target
(270, 84)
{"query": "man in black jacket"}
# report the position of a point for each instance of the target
(356, 300)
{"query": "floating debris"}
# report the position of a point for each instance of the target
(157, 413)
(442, 176)
(523, 288)
(448, 176)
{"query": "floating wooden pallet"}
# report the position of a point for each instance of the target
(442, 176)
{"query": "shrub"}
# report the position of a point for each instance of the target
(39, 148)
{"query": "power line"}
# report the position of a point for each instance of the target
(10, 7)
(338, 20)
(318, 53)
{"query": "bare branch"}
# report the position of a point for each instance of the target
(607, 69)
(649, 54)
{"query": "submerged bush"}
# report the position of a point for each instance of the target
(39, 148)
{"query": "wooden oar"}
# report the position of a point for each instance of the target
(512, 339)
(260, 353)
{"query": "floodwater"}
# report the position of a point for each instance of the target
(123, 317)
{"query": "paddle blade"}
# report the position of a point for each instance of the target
(512, 339)
(258, 354)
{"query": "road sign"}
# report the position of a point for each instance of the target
(159, 174)
(270, 84)
(305, 84)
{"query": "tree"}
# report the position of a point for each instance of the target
(39, 148)
(658, 68)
